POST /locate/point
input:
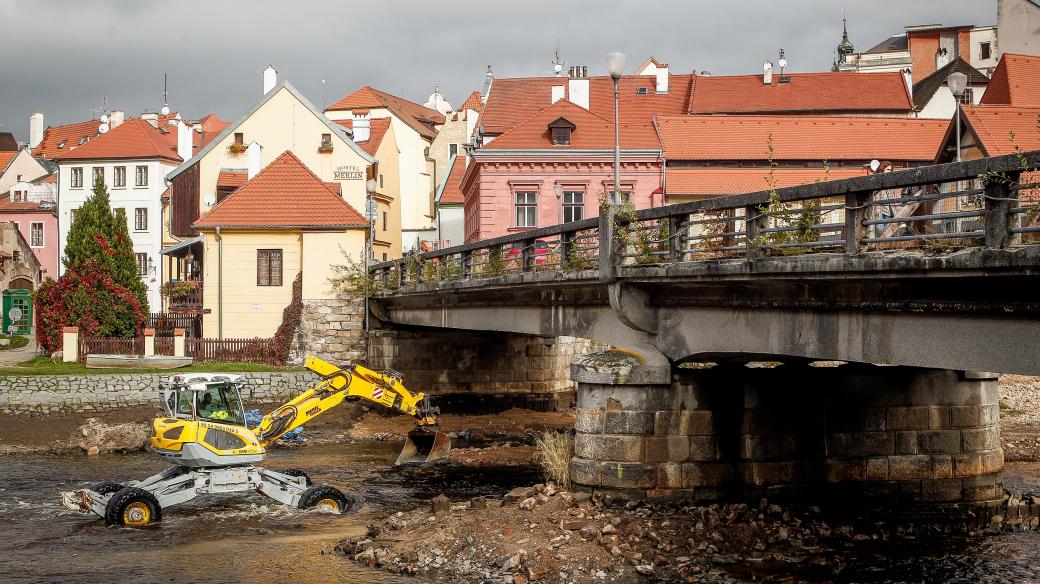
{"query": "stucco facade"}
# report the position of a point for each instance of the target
(23, 167)
(386, 233)
(19, 267)
(39, 228)
(493, 180)
(1017, 24)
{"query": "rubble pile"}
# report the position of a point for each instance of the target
(95, 436)
(542, 534)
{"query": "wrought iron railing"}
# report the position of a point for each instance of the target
(991, 202)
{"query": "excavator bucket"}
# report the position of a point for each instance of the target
(422, 447)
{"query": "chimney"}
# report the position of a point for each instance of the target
(253, 159)
(662, 79)
(578, 91)
(362, 126)
(116, 118)
(270, 79)
(557, 93)
(151, 118)
(35, 129)
(184, 139)
(767, 73)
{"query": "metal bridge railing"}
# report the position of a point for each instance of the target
(991, 202)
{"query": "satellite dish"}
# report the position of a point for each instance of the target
(165, 110)
(782, 63)
(104, 118)
(208, 199)
(874, 165)
(102, 128)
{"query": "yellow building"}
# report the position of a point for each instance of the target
(284, 222)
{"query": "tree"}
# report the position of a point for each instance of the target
(100, 236)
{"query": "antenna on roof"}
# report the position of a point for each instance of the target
(558, 64)
(165, 94)
(783, 65)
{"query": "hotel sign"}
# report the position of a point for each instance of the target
(350, 172)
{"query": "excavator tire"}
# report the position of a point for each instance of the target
(295, 472)
(133, 507)
(106, 487)
(327, 498)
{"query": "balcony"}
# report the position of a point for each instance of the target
(183, 295)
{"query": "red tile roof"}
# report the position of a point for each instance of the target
(807, 92)
(472, 102)
(378, 129)
(232, 178)
(800, 137)
(994, 124)
(591, 132)
(452, 194)
(284, 194)
(513, 100)
(421, 118)
(6, 156)
(58, 140)
(134, 138)
(715, 181)
(211, 128)
(1016, 81)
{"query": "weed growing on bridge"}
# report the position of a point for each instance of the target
(352, 277)
(494, 265)
(450, 269)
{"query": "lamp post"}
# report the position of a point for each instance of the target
(558, 190)
(957, 82)
(615, 66)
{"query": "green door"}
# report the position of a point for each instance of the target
(17, 307)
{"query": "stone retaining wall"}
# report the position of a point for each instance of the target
(28, 394)
(333, 330)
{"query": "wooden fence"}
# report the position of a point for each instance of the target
(254, 350)
(164, 324)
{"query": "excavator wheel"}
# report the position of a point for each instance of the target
(295, 472)
(133, 507)
(328, 498)
(106, 487)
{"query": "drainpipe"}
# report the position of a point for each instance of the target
(220, 285)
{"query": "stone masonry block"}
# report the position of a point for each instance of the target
(839, 470)
(667, 449)
(770, 473)
(980, 438)
(669, 476)
(877, 469)
(905, 443)
(703, 448)
(992, 461)
(586, 445)
(942, 467)
(619, 447)
(910, 467)
(589, 421)
(839, 445)
(967, 465)
(918, 418)
(705, 474)
(622, 475)
(939, 442)
(873, 443)
(966, 416)
(941, 490)
(628, 422)
(874, 419)
(769, 447)
(585, 472)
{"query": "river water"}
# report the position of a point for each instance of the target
(237, 538)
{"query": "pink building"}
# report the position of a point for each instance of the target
(33, 207)
(511, 183)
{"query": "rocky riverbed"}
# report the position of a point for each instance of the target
(543, 534)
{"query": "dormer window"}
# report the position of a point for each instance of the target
(62, 144)
(83, 140)
(326, 144)
(643, 91)
(560, 131)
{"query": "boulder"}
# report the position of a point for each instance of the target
(96, 434)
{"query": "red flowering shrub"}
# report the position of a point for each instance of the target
(90, 299)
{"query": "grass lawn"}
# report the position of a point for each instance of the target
(16, 342)
(44, 366)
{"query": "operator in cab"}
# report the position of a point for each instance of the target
(209, 407)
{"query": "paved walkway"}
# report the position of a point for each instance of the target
(15, 356)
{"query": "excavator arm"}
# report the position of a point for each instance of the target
(425, 443)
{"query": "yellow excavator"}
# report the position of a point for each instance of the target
(204, 434)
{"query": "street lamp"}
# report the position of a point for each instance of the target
(957, 82)
(615, 66)
(558, 189)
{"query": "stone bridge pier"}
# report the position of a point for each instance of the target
(895, 434)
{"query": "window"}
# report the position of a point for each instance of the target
(17, 196)
(141, 176)
(239, 138)
(626, 197)
(561, 136)
(99, 174)
(384, 256)
(984, 51)
(18, 178)
(119, 176)
(16, 255)
(384, 220)
(453, 149)
(141, 219)
(526, 209)
(77, 178)
(268, 267)
(36, 234)
(380, 180)
(573, 206)
(326, 140)
(142, 263)
(72, 215)
(968, 97)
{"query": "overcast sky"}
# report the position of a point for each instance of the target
(64, 57)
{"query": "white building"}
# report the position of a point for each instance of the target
(133, 158)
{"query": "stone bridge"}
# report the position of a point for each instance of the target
(905, 286)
